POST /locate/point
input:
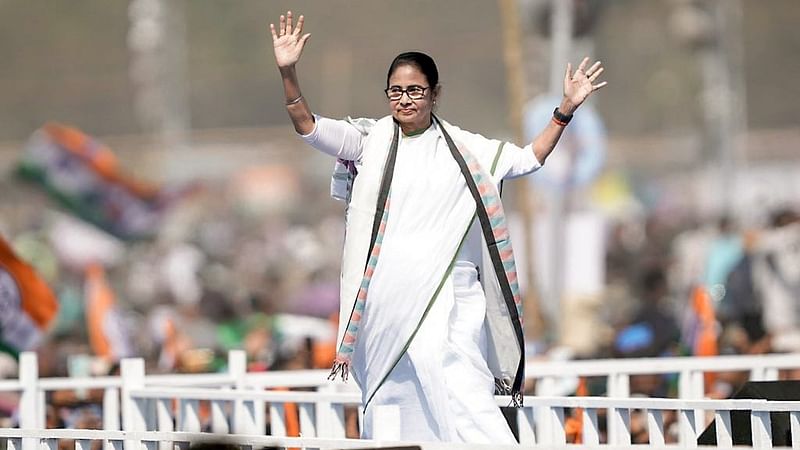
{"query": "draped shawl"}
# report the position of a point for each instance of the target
(367, 214)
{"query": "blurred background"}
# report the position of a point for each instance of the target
(150, 177)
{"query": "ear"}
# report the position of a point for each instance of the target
(437, 93)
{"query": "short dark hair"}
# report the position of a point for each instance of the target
(419, 60)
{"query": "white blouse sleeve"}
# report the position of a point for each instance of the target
(335, 137)
(516, 161)
(513, 161)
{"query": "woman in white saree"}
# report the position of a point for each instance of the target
(430, 324)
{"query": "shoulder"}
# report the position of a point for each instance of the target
(467, 137)
(363, 124)
(367, 125)
(482, 147)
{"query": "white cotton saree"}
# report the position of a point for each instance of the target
(425, 341)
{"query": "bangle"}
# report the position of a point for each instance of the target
(297, 100)
(561, 118)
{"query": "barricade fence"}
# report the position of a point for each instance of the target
(239, 404)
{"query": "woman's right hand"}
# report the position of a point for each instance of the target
(288, 41)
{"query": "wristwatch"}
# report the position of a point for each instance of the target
(560, 117)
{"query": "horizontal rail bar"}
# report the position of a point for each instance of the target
(271, 441)
(657, 403)
(201, 379)
(231, 394)
(55, 383)
(663, 365)
(10, 385)
(239, 439)
(569, 402)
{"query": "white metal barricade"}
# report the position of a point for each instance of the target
(548, 435)
(321, 413)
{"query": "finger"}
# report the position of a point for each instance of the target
(272, 30)
(304, 39)
(288, 22)
(596, 74)
(591, 70)
(299, 27)
(282, 25)
(568, 75)
(598, 86)
(582, 67)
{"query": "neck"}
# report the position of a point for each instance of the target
(413, 129)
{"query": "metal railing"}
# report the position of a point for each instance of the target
(240, 405)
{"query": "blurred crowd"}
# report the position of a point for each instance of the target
(227, 271)
(690, 287)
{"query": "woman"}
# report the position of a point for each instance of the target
(430, 319)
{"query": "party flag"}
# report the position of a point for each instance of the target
(27, 305)
(108, 336)
(84, 176)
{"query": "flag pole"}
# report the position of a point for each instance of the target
(515, 91)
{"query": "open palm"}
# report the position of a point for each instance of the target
(579, 85)
(288, 40)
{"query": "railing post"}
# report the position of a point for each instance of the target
(722, 425)
(687, 431)
(691, 386)
(219, 421)
(110, 413)
(618, 385)
(655, 427)
(83, 444)
(29, 379)
(308, 427)
(111, 409)
(48, 444)
(133, 410)
(794, 428)
(14, 443)
(525, 423)
(684, 385)
(591, 434)
(545, 425)
(620, 422)
(189, 415)
(761, 427)
(325, 414)
(244, 414)
(41, 409)
(545, 387)
(758, 373)
(164, 420)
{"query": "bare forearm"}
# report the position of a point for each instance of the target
(296, 105)
(544, 143)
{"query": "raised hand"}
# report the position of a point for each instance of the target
(288, 41)
(579, 85)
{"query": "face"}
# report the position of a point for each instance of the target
(412, 114)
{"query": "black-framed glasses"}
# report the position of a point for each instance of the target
(414, 92)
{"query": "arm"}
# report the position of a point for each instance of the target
(336, 138)
(288, 43)
(577, 88)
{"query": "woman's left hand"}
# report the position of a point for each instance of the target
(579, 85)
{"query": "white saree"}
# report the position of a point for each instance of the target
(422, 354)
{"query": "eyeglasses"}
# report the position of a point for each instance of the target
(414, 92)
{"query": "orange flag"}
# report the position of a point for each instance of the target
(706, 338)
(108, 337)
(573, 427)
(27, 305)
